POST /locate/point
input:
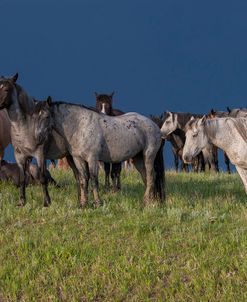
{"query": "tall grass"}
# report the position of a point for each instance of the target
(193, 248)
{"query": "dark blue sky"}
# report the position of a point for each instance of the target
(157, 55)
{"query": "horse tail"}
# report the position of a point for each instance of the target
(159, 168)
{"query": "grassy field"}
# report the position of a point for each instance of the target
(193, 248)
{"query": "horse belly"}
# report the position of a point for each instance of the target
(120, 150)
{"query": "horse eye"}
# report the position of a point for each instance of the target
(167, 122)
(195, 134)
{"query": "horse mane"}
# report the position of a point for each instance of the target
(212, 126)
(57, 103)
(25, 101)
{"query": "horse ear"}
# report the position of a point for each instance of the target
(95, 93)
(169, 113)
(14, 78)
(212, 111)
(112, 94)
(49, 100)
(202, 120)
(228, 109)
(192, 118)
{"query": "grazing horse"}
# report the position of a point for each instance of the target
(30, 129)
(219, 114)
(229, 134)
(5, 137)
(84, 137)
(104, 105)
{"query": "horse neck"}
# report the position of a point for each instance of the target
(21, 105)
(60, 110)
(215, 131)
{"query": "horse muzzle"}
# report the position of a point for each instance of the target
(187, 158)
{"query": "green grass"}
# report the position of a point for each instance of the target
(193, 248)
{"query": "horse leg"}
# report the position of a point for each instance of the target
(215, 156)
(21, 161)
(201, 162)
(115, 176)
(43, 179)
(138, 162)
(213, 159)
(1, 152)
(150, 179)
(176, 161)
(93, 171)
(227, 162)
(107, 168)
(243, 174)
(76, 174)
(83, 178)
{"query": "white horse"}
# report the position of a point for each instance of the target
(229, 134)
(178, 120)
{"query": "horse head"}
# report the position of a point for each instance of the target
(196, 138)
(7, 89)
(42, 119)
(104, 103)
(170, 123)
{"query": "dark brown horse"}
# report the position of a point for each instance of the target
(11, 172)
(104, 105)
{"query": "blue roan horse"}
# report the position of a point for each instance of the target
(86, 137)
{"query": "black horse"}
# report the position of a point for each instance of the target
(104, 105)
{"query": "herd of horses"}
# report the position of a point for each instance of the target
(86, 136)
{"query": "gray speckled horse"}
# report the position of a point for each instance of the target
(229, 134)
(30, 128)
(91, 137)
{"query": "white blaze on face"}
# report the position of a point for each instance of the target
(103, 108)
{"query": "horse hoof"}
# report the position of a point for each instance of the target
(20, 204)
(46, 204)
